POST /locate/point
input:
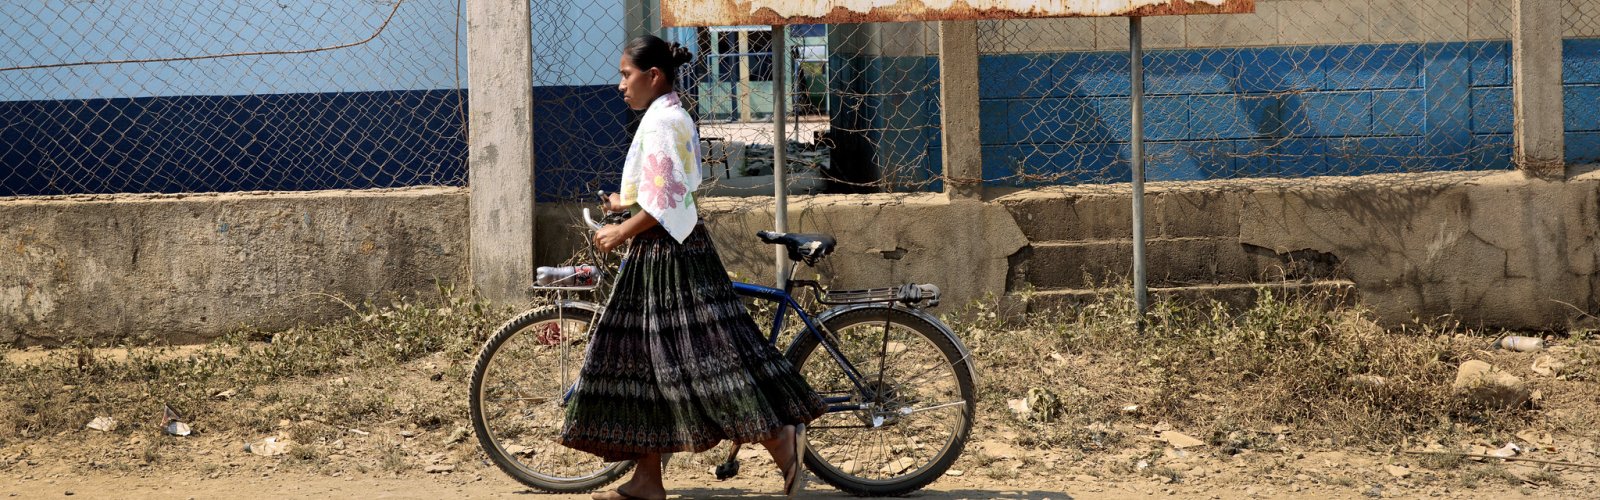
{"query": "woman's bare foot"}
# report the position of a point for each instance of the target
(645, 483)
(782, 449)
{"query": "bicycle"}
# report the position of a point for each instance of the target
(899, 384)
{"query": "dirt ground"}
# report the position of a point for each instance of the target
(1335, 474)
(400, 431)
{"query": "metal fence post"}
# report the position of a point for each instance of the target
(500, 147)
(1536, 85)
(1136, 67)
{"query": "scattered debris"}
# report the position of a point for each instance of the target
(1509, 450)
(1131, 410)
(1520, 343)
(224, 395)
(269, 446)
(1549, 366)
(171, 422)
(359, 432)
(103, 424)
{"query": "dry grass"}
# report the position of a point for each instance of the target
(67, 389)
(1230, 375)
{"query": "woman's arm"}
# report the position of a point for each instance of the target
(610, 237)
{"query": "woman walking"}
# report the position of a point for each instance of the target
(675, 363)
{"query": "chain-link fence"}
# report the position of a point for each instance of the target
(1295, 89)
(1580, 53)
(180, 96)
(190, 96)
(862, 102)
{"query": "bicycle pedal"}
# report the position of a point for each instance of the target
(727, 470)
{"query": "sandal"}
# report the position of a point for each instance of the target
(794, 480)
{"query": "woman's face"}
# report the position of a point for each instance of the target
(639, 87)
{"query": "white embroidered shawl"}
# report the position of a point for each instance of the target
(663, 167)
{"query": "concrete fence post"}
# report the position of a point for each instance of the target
(958, 120)
(1536, 86)
(500, 147)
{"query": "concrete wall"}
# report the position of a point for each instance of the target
(961, 246)
(1488, 249)
(185, 268)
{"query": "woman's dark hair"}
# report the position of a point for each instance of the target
(648, 51)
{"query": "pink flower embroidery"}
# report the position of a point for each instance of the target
(657, 186)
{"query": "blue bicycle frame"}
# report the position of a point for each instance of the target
(785, 303)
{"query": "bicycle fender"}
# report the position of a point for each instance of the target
(823, 318)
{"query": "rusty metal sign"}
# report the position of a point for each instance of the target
(769, 12)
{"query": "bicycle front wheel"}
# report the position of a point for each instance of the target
(518, 400)
(908, 415)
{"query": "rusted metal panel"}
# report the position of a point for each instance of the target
(768, 12)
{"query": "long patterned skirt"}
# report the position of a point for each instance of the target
(676, 364)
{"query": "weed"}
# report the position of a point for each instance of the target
(1471, 478)
(1547, 478)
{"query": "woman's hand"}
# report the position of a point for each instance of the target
(614, 203)
(610, 237)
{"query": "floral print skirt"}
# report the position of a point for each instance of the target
(676, 364)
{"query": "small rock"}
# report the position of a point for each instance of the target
(438, 468)
(899, 465)
(359, 432)
(70, 493)
(850, 467)
(1131, 410)
(228, 394)
(1180, 440)
(954, 472)
(1397, 471)
(1485, 384)
(1375, 491)
(408, 433)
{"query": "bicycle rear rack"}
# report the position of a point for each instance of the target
(909, 294)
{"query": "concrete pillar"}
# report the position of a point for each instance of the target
(500, 147)
(1536, 74)
(958, 95)
(641, 17)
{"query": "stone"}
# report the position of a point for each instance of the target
(438, 468)
(1397, 471)
(1180, 440)
(1484, 384)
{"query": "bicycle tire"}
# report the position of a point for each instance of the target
(950, 353)
(514, 336)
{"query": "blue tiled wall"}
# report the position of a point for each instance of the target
(1278, 111)
(240, 143)
(1581, 76)
(294, 142)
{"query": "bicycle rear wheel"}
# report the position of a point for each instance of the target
(518, 399)
(914, 415)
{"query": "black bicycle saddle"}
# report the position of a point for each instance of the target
(808, 248)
